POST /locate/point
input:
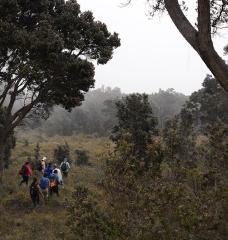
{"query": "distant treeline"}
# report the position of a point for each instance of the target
(97, 115)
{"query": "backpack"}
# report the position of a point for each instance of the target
(33, 190)
(52, 183)
(22, 170)
(43, 183)
(64, 167)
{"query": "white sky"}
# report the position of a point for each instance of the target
(152, 54)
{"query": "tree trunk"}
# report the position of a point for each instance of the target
(200, 40)
(3, 143)
(2, 151)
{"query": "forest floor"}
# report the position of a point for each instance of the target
(18, 219)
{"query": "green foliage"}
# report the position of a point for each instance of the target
(86, 219)
(180, 203)
(207, 105)
(166, 104)
(62, 151)
(45, 40)
(216, 153)
(183, 197)
(180, 141)
(82, 157)
(135, 122)
(172, 139)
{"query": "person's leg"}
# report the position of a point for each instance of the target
(23, 180)
(56, 190)
(26, 179)
(38, 199)
(46, 193)
(33, 200)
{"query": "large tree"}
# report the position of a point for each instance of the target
(48, 49)
(212, 16)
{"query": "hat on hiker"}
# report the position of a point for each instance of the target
(44, 159)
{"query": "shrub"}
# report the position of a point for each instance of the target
(82, 157)
(61, 151)
(86, 219)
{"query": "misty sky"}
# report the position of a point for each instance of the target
(152, 55)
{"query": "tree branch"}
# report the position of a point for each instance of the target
(204, 22)
(12, 99)
(21, 113)
(5, 92)
(200, 40)
(182, 23)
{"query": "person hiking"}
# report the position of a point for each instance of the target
(65, 167)
(35, 192)
(44, 185)
(42, 164)
(48, 170)
(60, 177)
(25, 172)
(54, 183)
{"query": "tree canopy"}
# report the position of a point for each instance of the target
(47, 53)
(45, 49)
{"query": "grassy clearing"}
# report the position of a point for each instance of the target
(18, 219)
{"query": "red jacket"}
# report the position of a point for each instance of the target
(28, 171)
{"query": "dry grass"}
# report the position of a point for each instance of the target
(18, 219)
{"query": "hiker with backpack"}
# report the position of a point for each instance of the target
(54, 182)
(25, 172)
(59, 174)
(65, 167)
(42, 165)
(44, 185)
(35, 192)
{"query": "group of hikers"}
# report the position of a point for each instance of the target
(50, 181)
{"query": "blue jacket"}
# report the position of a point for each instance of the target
(44, 182)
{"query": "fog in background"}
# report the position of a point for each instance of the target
(153, 54)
